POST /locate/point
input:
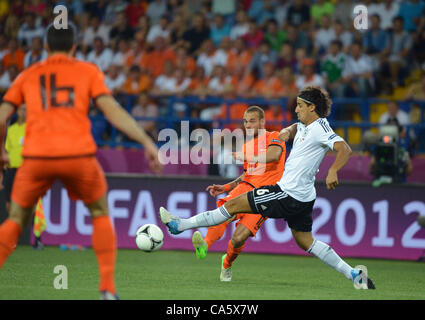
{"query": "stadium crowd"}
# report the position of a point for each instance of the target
(150, 50)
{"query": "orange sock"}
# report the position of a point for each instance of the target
(232, 254)
(9, 235)
(215, 233)
(104, 245)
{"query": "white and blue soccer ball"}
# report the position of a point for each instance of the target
(149, 238)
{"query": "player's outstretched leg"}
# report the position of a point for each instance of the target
(11, 229)
(324, 252)
(214, 217)
(105, 248)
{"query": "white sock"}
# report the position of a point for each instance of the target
(330, 257)
(205, 219)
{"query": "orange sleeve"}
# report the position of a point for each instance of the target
(273, 140)
(14, 94)
(98, 86)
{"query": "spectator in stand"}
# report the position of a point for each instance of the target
(358, 74)
(266, 14)
(238, 55)
(37, 7)
(319, 9)
(418, 50)
(416, 90)
(275, 116)
(11, 27)
(219, 79)
(184, 61)
(114, 79)
(300, 55)
(387, 11)
(3, 45)
(210, 57)
(157, 57)
(122, 53)
(166, 80)
(112, 9)
(226, 8)
(100, 55)
(274, 36)
(199, 83)
(134, 10)
(255, 8)
(29, 30)
(219, 29)
(269, 86)
(156, 9)
(323, 37)
(400, 43)
(121, 29)
(4, 79)
(281, 12)
(138, 81)
(242, 80)
(137, 56)
(96, 29)
(254, 36)
(343, 35)
(286, 57)
(177, 29)
(332, 66)
(299, 15)
(412, 12)
(289, 88)
(298, 38)
(233, 111)
(241, 27)
(159, 30)
(197, 34)
(376, 42)
(36, 54)
(8, 77)
(263, 55)
(15, 56)
(395, 116)
(142, 29)
(145, 107)
(308, 75)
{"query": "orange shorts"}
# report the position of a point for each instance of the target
(82, 177)
(251, 221)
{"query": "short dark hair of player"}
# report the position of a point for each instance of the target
(60, 39)
(257, 109)
(319, 97)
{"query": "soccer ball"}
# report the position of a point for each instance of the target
(149, 237)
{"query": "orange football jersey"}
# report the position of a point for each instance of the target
(57, 95)
(262, 174)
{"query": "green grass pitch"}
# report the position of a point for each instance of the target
(169, 275)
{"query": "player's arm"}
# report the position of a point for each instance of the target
(272, 155)
(217, 189)
(123, 121)
(343, 153)
(288, 132)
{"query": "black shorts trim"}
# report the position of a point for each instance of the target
(273, 202)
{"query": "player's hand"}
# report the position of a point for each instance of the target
(151, 154)
(284, 134)
(332, 180)
(238, 156)
(215, 189)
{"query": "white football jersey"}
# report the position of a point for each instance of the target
(309, 148)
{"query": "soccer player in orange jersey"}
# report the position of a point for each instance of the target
(59, 145)
(263, 143)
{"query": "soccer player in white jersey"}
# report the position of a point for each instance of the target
(292, 198)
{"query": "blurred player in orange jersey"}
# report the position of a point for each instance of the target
(269, 172)
(59, 145)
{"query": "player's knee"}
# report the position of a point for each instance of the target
(238, 240)
(21, 216)
(98, 208)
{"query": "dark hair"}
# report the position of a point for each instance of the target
(337, 43)
(319, 97)
(398, 18)
(60, 39)
(257, 109)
